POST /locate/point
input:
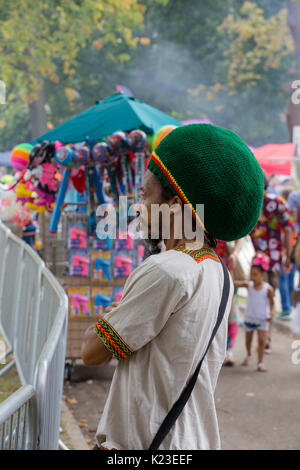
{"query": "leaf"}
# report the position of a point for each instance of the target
(72, 401)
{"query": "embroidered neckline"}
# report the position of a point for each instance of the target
(199, 254)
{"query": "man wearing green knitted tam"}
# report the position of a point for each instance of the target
(208, 165)
(175, 305)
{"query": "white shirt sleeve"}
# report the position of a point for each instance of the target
(150, 296)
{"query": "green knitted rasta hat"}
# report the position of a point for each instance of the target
(205, 164)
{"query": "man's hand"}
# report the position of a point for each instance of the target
(111, 306)
(287, 266)
(93, 351)
(232, 259)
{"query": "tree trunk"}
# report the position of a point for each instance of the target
(293, 112)
(38, 116)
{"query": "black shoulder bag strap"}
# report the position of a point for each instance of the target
(180, 403)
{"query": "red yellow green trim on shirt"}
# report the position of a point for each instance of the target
(200, 254)
(113, 342)
(176, 186)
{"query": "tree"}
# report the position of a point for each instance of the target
(39, 38)
(254, 44)
(185, 69)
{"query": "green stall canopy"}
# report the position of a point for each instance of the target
(118, 112)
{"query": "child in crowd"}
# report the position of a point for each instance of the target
(260, 308)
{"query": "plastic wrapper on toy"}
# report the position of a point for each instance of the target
(101, 298)
(124, 241)
(77, 236)
(79, 302)
(79, 263)
(102, 245)
(123, 263)
(21, 217)
(8, 205)
(117, 294)
(101, 267)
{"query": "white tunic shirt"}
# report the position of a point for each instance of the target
(160, 331)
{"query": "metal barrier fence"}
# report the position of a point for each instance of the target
(33, 322)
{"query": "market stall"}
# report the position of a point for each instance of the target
(93, 159)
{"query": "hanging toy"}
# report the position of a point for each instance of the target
(41, 153)
(138, 142)
(75, 157)
(102, 153)
(21, 217)
(19, 157)
(161, 134)
(120, 146)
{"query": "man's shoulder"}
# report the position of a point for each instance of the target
(179, 264)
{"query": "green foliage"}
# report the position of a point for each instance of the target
(191, 66)
(226, 61)
(40, 42)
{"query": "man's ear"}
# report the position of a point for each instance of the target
(176, 200)
(176, 205)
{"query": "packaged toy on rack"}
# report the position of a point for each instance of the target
(101, 297)
(77, 236)
(79, 262)
(101, 265)
(117, 294)
(122, 262)
(92, 270)
(80, 305)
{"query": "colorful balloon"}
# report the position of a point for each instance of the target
(161, 134)
(138, 140)
(20, 156)
(64, 156)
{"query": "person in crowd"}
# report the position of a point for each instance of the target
(293, 202)
(162, 327)
(273, 184)
(230, 258)
(273, 236)
(259, 309)
(29, 233)
(287, 278)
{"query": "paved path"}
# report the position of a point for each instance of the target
(255, 410)
(260, 410)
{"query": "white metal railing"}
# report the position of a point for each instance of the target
(33, 322)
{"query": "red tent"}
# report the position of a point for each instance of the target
(271, 156)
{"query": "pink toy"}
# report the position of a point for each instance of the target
(75, 305)
(123, 265)
(79, 303)
(48, 176)
(78, 238)
(83, 301)
(119, 296)
(80, 266)
(141, 251)
(125, 241)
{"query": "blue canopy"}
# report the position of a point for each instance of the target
(5, 159)
(118, 112)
